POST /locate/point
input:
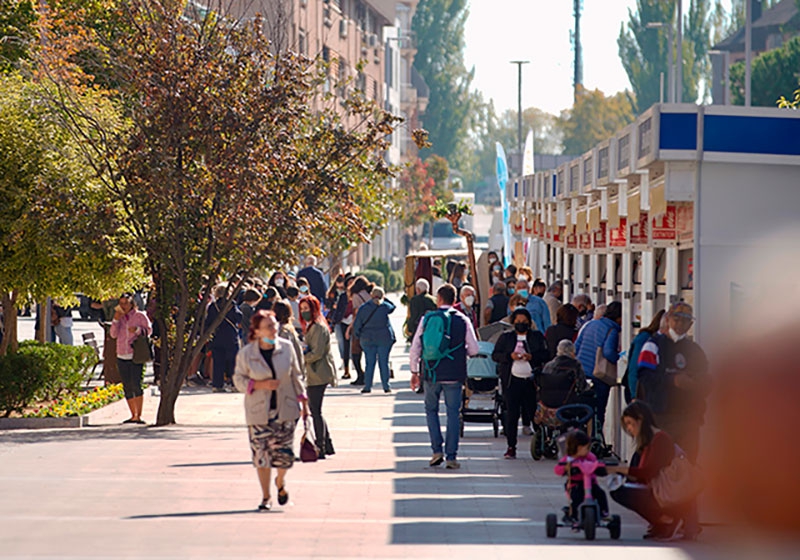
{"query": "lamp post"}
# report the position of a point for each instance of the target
(748, 49)
(726, 74)
(519, 64)
(671, 65)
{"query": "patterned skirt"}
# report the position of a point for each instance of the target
(271, 444)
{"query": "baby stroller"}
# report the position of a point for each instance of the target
(482, 402)
(588, 514)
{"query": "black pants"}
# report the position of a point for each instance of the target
(323, 438)
(224, 362)
(519, 394)
(577, 495)
(639, 500)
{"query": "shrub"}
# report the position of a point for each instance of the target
(20, 379)
(380, 265)
(64, 367)
(41, 372)
(81, 403)
(374, 276)
(394, 282)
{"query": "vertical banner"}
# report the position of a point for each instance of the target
(502, 179)
(527, 156)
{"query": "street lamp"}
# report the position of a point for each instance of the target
(726, 74)
(519, 64)
(671, 67)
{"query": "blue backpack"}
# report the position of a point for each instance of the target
(436, 341)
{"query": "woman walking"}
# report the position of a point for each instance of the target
(374, 331)
(268, 373)
(359, 294)
(337, 301)
(319, 368)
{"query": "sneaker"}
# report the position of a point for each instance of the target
(511, 453)
(218, 390)
(526, 430)
(436, 460)
(387, 390)
(452, 464)
(366, 391)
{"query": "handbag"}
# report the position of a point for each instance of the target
(678, 483)
(604, 370)
(142, 351)
(309, 452)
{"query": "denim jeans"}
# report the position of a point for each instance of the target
(452, 403)
(373, 352)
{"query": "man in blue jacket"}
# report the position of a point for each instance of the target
(316, 280)
(536, 306)
(600, 333)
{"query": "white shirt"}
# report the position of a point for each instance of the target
(521, 368)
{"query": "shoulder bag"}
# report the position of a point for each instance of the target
(678, 483)
(604, 370)
(308, 449)
(142, 351)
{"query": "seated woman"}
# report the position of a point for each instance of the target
(562, 378)
(655, 451)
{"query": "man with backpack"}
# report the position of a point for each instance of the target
(442, 342)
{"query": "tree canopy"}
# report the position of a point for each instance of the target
(224, 167)
(593, 118)
(774, 74)
(438, 27)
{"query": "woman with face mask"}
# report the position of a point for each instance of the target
(319, 367)
(278, 281)
(519, 354)
(268, 373)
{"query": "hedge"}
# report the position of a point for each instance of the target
(391, 280)
(42, 372)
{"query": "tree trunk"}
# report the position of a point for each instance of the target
(110, 371)
(10, 337)
(170, 385)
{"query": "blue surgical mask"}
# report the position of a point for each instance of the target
(523, 293)
(267, 340)
(303, 289)
(511, 291)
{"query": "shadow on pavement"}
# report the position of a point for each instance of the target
(194, 514)
(222, 464)
(109, 432)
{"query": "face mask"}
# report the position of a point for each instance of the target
(279, 282)
(523, 293)
(267, 340)
(306, 315)
(492, 260)
(497, 268)
(303, 289)
(521, 327)
(675, 336)
(469, 301)
(511, 291)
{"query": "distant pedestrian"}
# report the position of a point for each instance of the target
(268, 374)
(278, 281)
(293, 298)
(127, 325)
(583, 303)
(497, 306)
(320, 371)
(283, 313)
(466, 304)
(360, 293)
(631, 377)
(316, 280)
(600, 333)
(62, 323)
(419, 305)
(443, 372)
(225, 342)
(553, 299)
(249, 305)
(565, 328)
(336, 303)
(540, 314)
(374, 331)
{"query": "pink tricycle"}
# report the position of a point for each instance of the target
(588, 514)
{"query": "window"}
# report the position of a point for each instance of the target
(302, 42)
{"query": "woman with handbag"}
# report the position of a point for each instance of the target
(597, 349)
(655, 452)
(127, 326)
(374, 330)
(268, 373)
(320, 371)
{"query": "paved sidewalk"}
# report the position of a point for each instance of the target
(189, 491)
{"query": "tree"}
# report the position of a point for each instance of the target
(774, 74)
(16, 26)
(645, 52)
(51, 209)
(438, 27)
(593, 118)
(223, 167)
(416, 192)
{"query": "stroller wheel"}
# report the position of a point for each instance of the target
(615, 527)
(536, 444)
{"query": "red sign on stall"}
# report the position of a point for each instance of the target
(585, 241)
(600, 236)
(559, 235)
(685, 222)
(572, 241)
(638, 231)
(618, 236)
(528, 225)
(665, 226)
